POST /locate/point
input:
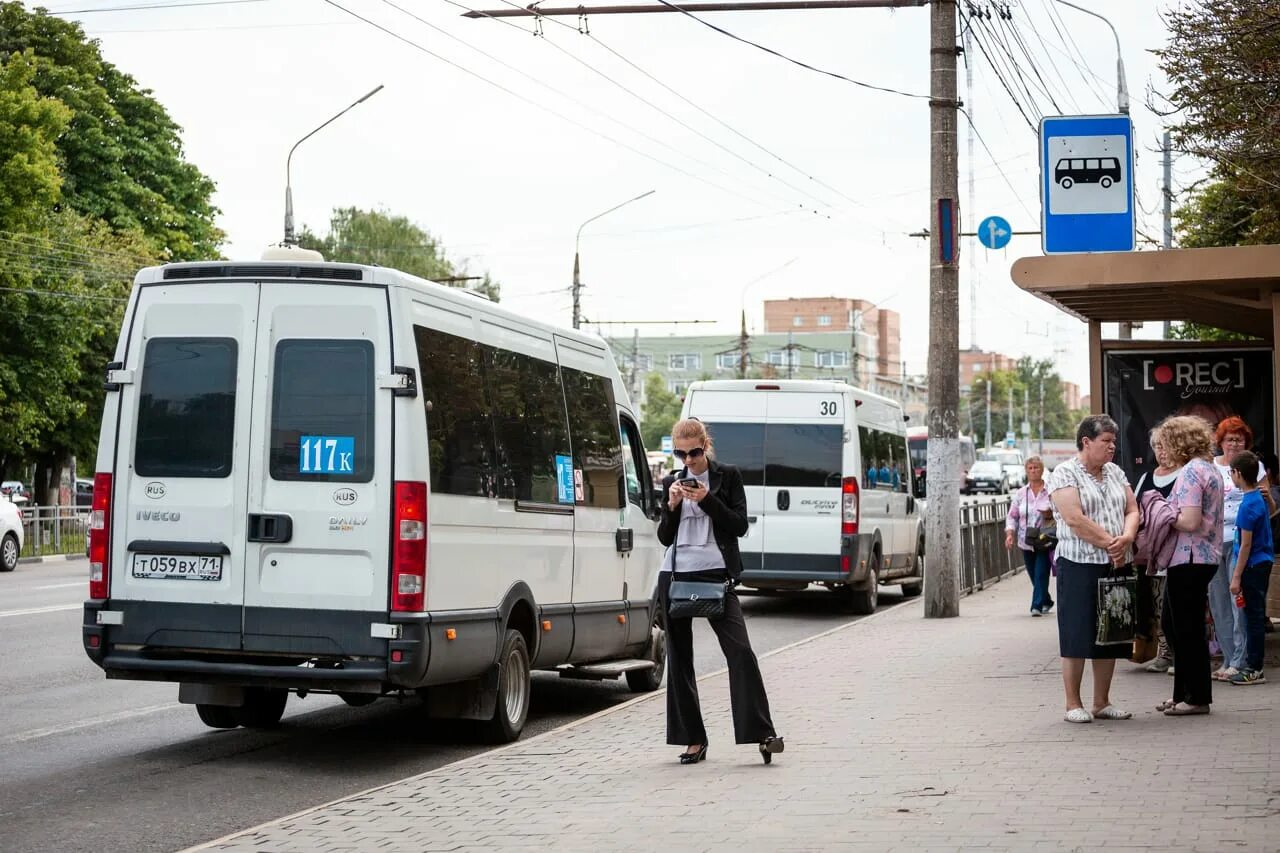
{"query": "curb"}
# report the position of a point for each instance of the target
(51, 558)
(486, 754)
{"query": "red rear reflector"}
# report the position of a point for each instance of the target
(849, 506)
(100, 538)
(397, 656)
(94, 641)
(409, 548)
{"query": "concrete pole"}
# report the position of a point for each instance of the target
(1167, 192)
(942, 522)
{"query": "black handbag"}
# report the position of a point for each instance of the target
(694, 599)
(691, 599)
(1040, 537)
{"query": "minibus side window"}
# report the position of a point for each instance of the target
(186, 408)
(322, 411)
(593, 430)
(459, 425)
(527, 406)
(634, 461)
(884, 460)
(803, 455)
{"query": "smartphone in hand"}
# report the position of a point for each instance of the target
(689, 482)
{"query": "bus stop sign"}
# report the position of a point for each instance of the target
(1086, 184)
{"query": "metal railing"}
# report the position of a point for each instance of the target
(983, 558)
(52, 530)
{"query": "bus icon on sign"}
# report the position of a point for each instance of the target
(1070, 171)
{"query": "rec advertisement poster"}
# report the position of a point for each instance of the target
(1144, 388)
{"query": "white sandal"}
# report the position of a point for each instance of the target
(1078, 715)
(1111, 712)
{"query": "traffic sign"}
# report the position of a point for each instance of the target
(1086, 184)
(994, 232)
(667, 444)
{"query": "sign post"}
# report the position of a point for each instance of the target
(1086, 184)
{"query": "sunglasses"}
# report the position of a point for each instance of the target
(694, 453)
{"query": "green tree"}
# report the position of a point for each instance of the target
(1026, 382)
(29, 126)
(1222, 61)
(377, 237)
(60, 314)
(121, 154)
(661, 411)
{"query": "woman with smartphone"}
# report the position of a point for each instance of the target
(704, 512)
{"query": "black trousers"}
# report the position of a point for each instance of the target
(751, 720)
(1186, 595)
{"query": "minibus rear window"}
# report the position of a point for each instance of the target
(741, 445)
(322, 411)
(803, 455)
(186, 409)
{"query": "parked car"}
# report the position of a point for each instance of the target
(10, 535)
(84, 493)
(986, 475)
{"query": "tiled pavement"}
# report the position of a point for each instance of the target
(902, 734)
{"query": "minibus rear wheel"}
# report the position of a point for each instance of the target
(514, 690)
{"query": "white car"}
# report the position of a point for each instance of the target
(10, 535)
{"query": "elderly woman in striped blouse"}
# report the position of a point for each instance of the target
(1097, 519)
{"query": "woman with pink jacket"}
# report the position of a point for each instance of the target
(1026, 510)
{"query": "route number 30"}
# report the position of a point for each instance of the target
(828, 407)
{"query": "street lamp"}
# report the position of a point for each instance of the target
(1122, 85)
(289, 239)
(742, 337)
(577, 281)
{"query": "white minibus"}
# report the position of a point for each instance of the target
(828, 480)
(322, 477)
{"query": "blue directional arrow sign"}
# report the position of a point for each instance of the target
(994, 232)
(1086, 184)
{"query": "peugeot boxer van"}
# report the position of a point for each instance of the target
(320, 477)
(828, 480)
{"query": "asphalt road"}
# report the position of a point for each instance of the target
(88, 764)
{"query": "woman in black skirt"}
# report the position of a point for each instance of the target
(1097, 519)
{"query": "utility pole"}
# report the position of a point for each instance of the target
(1009, 420)
(942, 522)
(1041, 450)
(990, 375)
(1167, 192)
(742, 347)
(635, 362)
(967, 38)
(791, 351)
(1026, 420)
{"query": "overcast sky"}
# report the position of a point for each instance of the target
(794, 164)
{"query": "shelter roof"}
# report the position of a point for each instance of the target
(1230, 288)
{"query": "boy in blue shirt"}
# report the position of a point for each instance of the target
(1251, 555)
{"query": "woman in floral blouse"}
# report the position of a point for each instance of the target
(1197, 495)
(1025, 510)
(1097, 522)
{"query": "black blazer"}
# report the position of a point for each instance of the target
(725, 504)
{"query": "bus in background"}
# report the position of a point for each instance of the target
(918, 448)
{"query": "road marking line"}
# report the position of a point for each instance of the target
(36, 734)
(61, 585)
(32, 611)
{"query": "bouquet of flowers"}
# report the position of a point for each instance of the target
(1117, 609)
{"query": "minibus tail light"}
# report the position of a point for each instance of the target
(849, 506)
(409, 548)
(100, 538)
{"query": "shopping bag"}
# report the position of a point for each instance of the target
(1117, 609)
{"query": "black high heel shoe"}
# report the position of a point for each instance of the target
(769, 746)
(694, 757)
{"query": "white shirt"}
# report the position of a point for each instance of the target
(1103, 502)
(695, 548)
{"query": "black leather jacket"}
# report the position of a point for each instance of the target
(725, 504)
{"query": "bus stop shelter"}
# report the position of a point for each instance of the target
(1235, 288)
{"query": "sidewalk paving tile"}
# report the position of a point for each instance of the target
(902, 733)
